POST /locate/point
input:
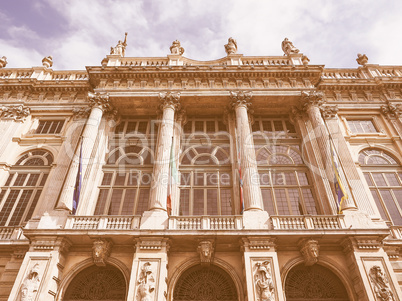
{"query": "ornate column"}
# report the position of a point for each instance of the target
(240, 101)
(99, 103)
(393, 113)
(261, 269)
(156, 217)
(311, 104)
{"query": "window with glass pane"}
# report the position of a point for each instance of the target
(205, 168)
(273, 127)
(49, 127)
(362, 126)
(384, 178)
(23, 187)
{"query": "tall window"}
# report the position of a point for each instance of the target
(285, 182)
(383, 175)
(127, 177)
(205, 168)
(21, 192)
(362, 126)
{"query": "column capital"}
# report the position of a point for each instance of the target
(392, 111)
(311, 99)
(17, 112)
(240, 98)
(329, 111)
(81, 112)
(170, 100)
(100, 100)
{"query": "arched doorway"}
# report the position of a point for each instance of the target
(314, 283)
(205, 283)
(97, 283)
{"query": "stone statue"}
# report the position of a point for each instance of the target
(3, 62)
(176, 48)
(205, 249)
(309, 250)
(288, 47)
(101, 251)
(31, 284)
(120, 48)
(263, 282)
(47, 61)
(362, 59)
(146, 283)
(381, 288)
(231, 46)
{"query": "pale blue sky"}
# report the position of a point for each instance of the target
(79, 33)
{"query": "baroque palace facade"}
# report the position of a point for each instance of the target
(201, 180)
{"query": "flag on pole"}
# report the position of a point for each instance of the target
(173, 179)
(339, 188)
(240, 176)
(78, 181)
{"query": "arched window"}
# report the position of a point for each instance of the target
(314, 283)
(127, 175)
(205, 168)
(285, 182)
(21, 192)
(383, 175)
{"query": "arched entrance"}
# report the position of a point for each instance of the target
(205, 283)
(314, 283)
(97, 283)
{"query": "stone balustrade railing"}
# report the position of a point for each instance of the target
(43, 74)
(103, 222)
(232, 222)
(396, 232)
(307, 222)
(11, 233)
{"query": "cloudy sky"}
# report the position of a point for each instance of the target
(79, 33)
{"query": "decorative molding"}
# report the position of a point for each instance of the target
(391, 111)
(101, 249)
(150, 244)
(146, 283)
(263, 282)
(240, 98)
(352, 244)
(296, 114)
(382, 291)
(329, 111)
(312, 98)
(81, 112)
(206, 251)
(258, 244)
(17, 113)
(100, 100)
(48, 244)
(309, 248)
(170, 100)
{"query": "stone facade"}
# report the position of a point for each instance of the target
(201, 180)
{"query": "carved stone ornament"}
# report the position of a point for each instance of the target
(146, 283)
(310, 251)
(382, 291)
(263, 282)
(81, 112)
(47, 61)
(305, 60)
(206, 251)
(231, 46)
(362, 59)
(391, 111)
(312, 98)
(100, 251)
(240, 98)
(30, 285)
(170, 100)
(120, 48)
(3, 62)
(288, 47)
(100, 100)
(17, 113)
(296, 114)
(329, 112)
(176, 48)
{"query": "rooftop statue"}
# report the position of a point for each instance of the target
(362, 59)
(3, 62)
(47, 61)
(120, 48)
(231, 46)
(176, 48)
(288, 47)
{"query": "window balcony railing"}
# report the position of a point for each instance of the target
(11, 233)
(230, 222)
(307, 222)
(100, 222)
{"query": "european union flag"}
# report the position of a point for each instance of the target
(339, 188)
(77, 187)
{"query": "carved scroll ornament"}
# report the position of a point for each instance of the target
(17, 113)
(380, 284)
(391, 110)
(146, 283)
(263, 282)
(30, 285)
(100, 251)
